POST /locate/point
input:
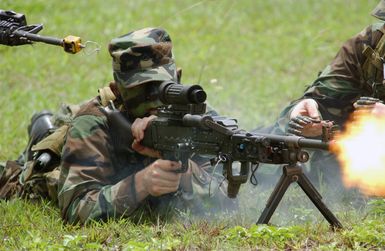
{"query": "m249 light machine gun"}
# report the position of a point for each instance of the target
(15, 31)
(183, 128)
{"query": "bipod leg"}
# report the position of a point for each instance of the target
(294, 173)
(316, 198)
(276, 196)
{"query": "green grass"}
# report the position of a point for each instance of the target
(38, 227)
(252, 57)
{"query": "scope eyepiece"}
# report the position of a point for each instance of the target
(174, 93)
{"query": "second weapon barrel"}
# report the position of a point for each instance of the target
(38, 38)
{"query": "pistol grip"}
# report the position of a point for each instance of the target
(175, 156)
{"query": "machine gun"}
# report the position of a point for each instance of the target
(15, 31)
(182, 129)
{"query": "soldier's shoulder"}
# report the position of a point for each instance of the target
(92, 107)
(89, 117)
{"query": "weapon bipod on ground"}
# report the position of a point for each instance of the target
(293, 173)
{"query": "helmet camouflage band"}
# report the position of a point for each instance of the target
(379, 11)
(142, 56)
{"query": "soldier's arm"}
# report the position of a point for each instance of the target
(339, 84)
(88, 189)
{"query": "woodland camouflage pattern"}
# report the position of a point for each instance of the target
(344, 80)
(97, 176)
(98, 166)
(379, 11)
(142, 56)
(96, 179)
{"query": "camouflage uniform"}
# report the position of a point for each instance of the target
(356, 71)
(344, 80)
(97, 179)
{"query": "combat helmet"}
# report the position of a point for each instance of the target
(379, 10)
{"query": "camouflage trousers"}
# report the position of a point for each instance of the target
(23, 181)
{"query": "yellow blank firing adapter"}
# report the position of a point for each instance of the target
(72, 44)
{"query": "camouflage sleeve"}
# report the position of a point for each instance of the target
(339, 84)
(88, 187)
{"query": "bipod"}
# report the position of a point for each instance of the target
(293, 173)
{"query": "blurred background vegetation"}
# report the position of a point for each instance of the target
(252, 56)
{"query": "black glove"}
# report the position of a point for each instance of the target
(297, 123)
(366, 103)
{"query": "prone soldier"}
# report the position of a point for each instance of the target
(94, 173)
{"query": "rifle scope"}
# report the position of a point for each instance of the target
(174, 93)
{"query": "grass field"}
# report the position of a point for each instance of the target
(251, 56)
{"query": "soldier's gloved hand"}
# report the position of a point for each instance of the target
(368, 105)
(157, 179)
(365, 103)
(305, 119)
(137, 129)
(301, 125)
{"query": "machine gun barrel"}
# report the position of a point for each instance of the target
(297, 141)
(314, 144)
